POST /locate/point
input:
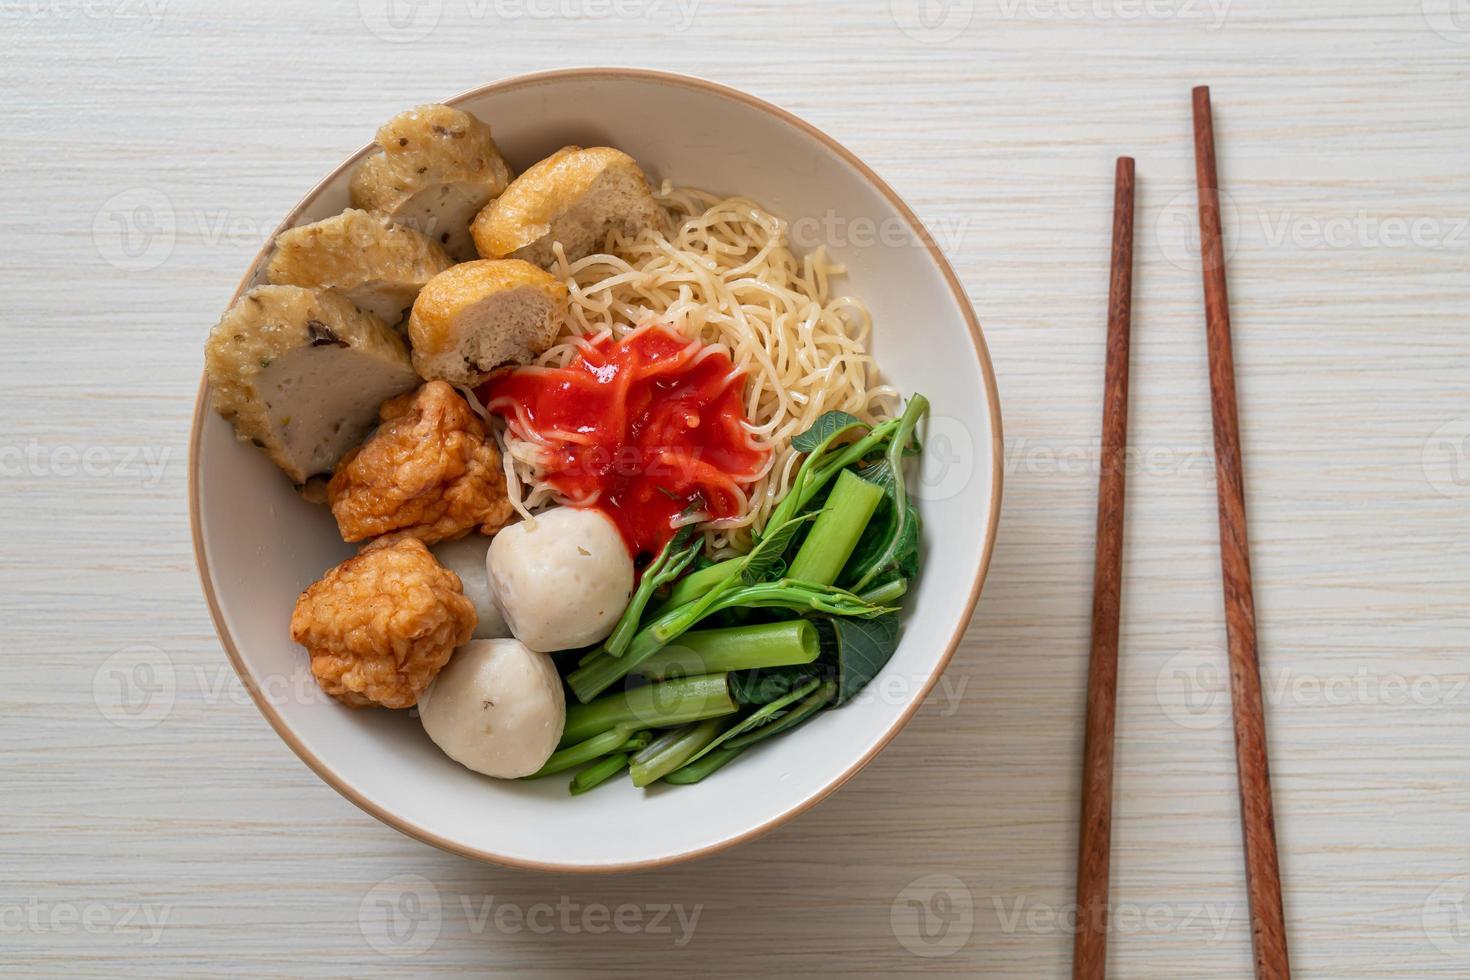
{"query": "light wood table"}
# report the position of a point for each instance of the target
(151, 144)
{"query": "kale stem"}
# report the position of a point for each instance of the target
(598, 773)
(603, 671)
(663, 757)
(887, 594)
(663, 705)
(696, 584)
(829, 544)
(736, 648)
(583, 752)
(702, 767)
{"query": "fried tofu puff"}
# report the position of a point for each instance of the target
(575, 196)
(438, 167)
(361, 255)
(480, 315)
(430, 470)
(381, 625)
(301, 373)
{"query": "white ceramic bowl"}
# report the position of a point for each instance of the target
(258, 544)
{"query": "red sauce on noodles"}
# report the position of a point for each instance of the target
(639, 428)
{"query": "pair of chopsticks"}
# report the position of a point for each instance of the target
(1263, 875)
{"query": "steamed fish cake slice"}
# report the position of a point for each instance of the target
(438, 167)
(575, 196)
(476, 316)
(378, 265)
(301, 374)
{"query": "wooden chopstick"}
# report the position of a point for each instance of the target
(1263, 874)
(1090, 947)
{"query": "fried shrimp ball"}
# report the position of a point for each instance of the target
(380, 625)
(431, 470)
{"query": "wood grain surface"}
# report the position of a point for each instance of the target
(154, 825)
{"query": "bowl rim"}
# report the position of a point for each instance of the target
(326, 773)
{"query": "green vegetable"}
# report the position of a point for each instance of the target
(662, 705)
(695, 771)
(761, 716)
(583, 752)
(889, 549)
(888, 593)
(735, 648)
(598, 773)
(808, 708)
(696, 584)
(669, 753)
(859, 648)
(849, 507)
(637, 741)
(853, 652)
(601, 672)
(676, 556)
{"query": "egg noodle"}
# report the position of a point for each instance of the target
(723, 273)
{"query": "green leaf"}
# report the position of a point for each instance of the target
(799, 714)
(762, 716)
(767, 558)
(767, 684)
(858, 649)
(889, 548)
(824, 430)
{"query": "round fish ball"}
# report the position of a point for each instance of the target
(497, 708)
(562, 579)
(468, 558)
